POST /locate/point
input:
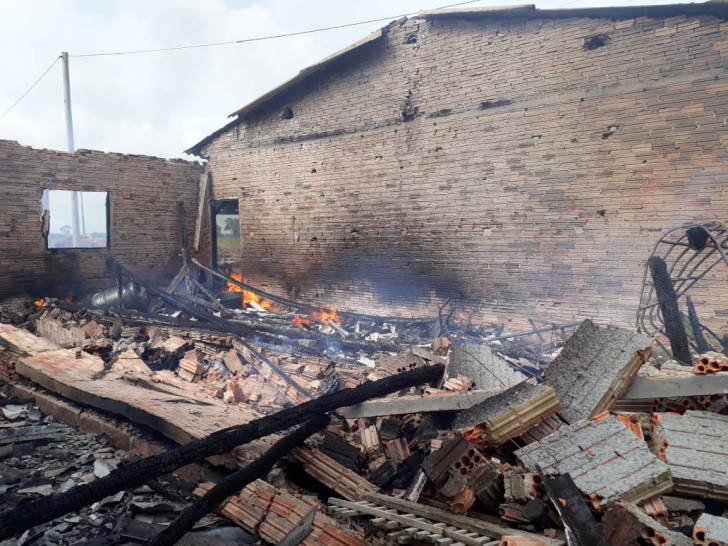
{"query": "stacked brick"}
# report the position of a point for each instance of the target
(8, 373)
(515, 161)
(263, 510)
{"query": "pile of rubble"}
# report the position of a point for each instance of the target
(40, 457)
(585, 443)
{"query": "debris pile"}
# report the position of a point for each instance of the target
(40, 457)
(436, 433)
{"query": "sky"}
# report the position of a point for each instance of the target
(162, 103)
(92, 211)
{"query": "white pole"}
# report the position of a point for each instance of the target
(70, 144)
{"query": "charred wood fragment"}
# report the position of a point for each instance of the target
(169, 299)
(138, 473)
(671, 317)
(581, 527)
(16, 401)
(700, 341)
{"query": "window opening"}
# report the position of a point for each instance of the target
(75, 219)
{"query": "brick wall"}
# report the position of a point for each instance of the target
(499, 160)
(144, 232)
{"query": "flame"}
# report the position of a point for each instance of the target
(325, 315)
(70, 298)
(248, 297)
(39, 303)
(299, 322)
(461, 317)
(234, 287)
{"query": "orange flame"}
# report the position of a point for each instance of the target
(460, 317)
(248, 297)
(299, 322)
(325, 315)
(70, 298)
(39, 303)
(234, 287)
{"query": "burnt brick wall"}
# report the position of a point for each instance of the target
(144, 232)
(500, 160)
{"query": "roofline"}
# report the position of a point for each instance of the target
(529, 11)
(306, 72)
(197, 148)
(302, 75)
(499, 11)
(524, 11)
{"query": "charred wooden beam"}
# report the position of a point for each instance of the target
(183, 237)
(138, 473)
(671, 316)
(170, 299)
(306, 307)
(235, 482)
(246, 328)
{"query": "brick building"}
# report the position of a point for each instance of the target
(525, 158)
(143, 228)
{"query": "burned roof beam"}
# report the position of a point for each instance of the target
(232, 484)
(138, 473)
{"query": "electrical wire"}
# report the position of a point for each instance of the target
(246, 40)
(260, 38)
(30, 88)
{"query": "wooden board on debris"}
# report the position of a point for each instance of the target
(164, 404)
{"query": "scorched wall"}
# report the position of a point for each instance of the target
(144, 227)
(529, 163)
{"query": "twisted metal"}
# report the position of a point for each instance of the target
(686, 266)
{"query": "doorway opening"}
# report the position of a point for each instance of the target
(226, 246)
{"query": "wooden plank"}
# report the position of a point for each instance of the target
(647, 388)
(481, 527)
(416, 404)
(168, 406)
(204, 190)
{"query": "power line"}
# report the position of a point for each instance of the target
(246, 40)
(30, 88)
(260, 38)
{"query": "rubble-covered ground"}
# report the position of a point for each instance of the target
(40, 457)
(527, 434)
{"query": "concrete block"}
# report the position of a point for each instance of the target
(605, 459)
(594, 368)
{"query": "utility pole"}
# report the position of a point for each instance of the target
(70, 144)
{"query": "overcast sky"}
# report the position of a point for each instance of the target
(163, 103)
